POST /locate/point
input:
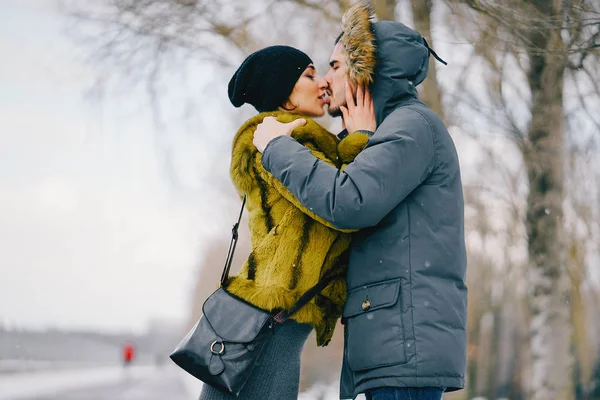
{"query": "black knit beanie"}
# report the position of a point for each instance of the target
(267, 77)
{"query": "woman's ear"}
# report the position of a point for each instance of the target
(288, 106)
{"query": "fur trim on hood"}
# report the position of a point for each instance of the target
(359, 43)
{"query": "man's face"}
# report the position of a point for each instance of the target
(336, 79)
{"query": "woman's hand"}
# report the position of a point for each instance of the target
(359, 115)
(270, 129)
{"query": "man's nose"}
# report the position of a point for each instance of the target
(322, 82)
(328, 77)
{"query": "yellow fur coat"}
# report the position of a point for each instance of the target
(292, 248)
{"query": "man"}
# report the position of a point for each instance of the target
(405, 317)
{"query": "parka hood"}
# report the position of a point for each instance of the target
(388, 56)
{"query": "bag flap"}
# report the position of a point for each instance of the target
(232, 319)
(372, 297)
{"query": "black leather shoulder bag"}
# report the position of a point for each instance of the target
(222, 348)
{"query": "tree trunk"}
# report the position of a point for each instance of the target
(584, 354)
(550, 333)
(505, 351)
(385, 9)
(431, 93)
(484, 362)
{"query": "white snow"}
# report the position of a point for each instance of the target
(28, 385)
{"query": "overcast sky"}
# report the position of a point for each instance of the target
(92, 232)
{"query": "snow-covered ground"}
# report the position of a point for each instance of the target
(319, 391)
(324, 392)
(115, 383)
(43, 383)
(22, 366)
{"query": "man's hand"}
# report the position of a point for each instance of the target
(359, 115)
(270, 129)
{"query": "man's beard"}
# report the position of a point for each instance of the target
(334, 112)
(334, 109)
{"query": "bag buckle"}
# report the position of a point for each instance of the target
(212, 348)
(281, 317)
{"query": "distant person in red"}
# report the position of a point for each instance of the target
(128, 354)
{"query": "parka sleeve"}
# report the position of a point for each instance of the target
(288, 195)
(397, 159)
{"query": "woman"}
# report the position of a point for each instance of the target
(292, 248)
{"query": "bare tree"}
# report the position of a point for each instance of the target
(161, 46)
(582, 207)
(431, 93)
(542, 38)
(385, 9)
(142, 39)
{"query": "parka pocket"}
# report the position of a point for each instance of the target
(373, 318)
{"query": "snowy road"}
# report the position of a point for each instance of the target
(137, 383)
(113, 383)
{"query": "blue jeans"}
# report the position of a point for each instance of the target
(391, 393)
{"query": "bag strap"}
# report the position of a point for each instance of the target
(232, 245)
(282, 315)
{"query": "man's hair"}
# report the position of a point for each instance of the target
(337, 40)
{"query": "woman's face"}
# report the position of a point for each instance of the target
(309, 95)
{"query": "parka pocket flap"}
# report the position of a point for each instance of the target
(372, 297)
(232, 319)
